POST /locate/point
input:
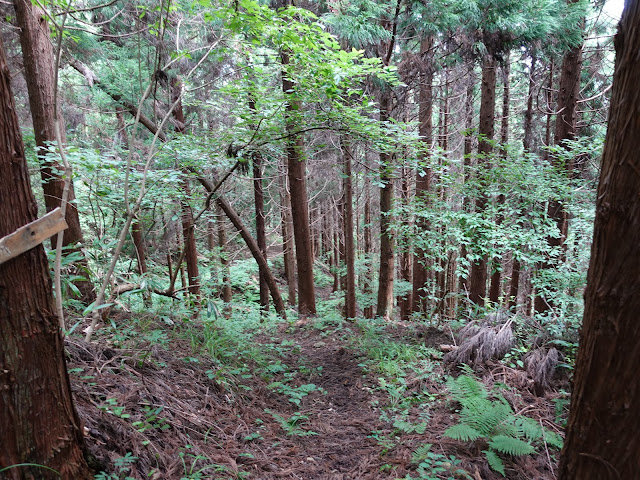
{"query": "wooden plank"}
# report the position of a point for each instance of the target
(31, 235)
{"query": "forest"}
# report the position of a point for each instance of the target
(319, 239)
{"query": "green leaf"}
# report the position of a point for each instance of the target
(462, 432)
(511, 446)
(495, 462)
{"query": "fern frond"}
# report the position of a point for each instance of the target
(553, 439)
(463, 432)
(465, 387)
(420, 453)
(495, 462)
(511, 446)
(528, 428)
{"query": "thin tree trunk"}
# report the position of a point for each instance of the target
(464, 281)
(495, 288)
(568, 93)
(368, 247)
(419, 297)
(349, 247)
(287, 242)
(38, 56)
(227, 293)
(602, 442)
(384, 307)
(299, 201)
(478, 281)
(188, 228)
(258, 195)
(406, 257)
(39, 422)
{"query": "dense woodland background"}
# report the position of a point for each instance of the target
(414, 181)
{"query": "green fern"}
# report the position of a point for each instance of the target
(495, 462)
(463, 432)
(511, 446)
(493, 420)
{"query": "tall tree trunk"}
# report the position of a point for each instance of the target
(39, 63)
(601, 441)
(189, 238)
(349, 247)
(188, 228)
(258, 195)
(495, 288)
(368, 247)
(423, 176)
(287, 240)
(384, 307)
(405, 258)
(527, 141)
(299, 200)
(478, 281)
(566, 120)
(39, 422)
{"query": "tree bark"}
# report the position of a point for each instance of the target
(601, 441)
(287, 242)
(227, 292)
(478, 280)
(368, 247)
(464, 283)
(39, 63)
(299, 201)
(384, 306)
(495, 288)
(419, 298)
(258, 195)
(347, 216)
(39, 423)
(188, 228)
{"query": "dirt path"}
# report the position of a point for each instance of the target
(343, 417)
(165, 413)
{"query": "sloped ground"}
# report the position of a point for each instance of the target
(308, 410)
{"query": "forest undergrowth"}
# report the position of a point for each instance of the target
(246, 397)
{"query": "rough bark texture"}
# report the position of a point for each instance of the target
(478, 280)
(299, 201)
(384, 306)
(347, 217)
(37, 53)
(423, 177)
(39, 422)
(602, 441)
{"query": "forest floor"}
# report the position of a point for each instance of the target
(315, 399)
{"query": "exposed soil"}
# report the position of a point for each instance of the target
(197, 424)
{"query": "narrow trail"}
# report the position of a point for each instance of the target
(174, 416)
(343, 417)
